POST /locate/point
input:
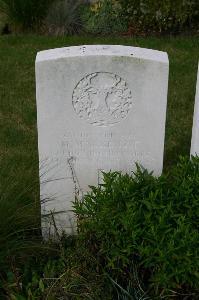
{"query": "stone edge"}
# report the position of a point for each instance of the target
(103, 50)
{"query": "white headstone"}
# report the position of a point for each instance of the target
(99, 108)
(195, 128)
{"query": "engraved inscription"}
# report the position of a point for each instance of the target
(102, 98)
(107, 152)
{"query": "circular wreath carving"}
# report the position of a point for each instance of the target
(102, 98)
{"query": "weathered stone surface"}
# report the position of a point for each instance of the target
(195, 128)
(98, 108)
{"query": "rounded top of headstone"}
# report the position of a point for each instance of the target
(102, 50)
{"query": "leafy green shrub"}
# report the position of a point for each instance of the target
(160, 15)
(150, 221)
(64, 18)
(24, 14)
(134, 231)
(104, 18)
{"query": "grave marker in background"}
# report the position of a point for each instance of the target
(98, 108)
(195, 128)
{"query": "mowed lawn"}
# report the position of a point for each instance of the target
(18, 134)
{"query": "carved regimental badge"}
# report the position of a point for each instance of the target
(102, 98)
